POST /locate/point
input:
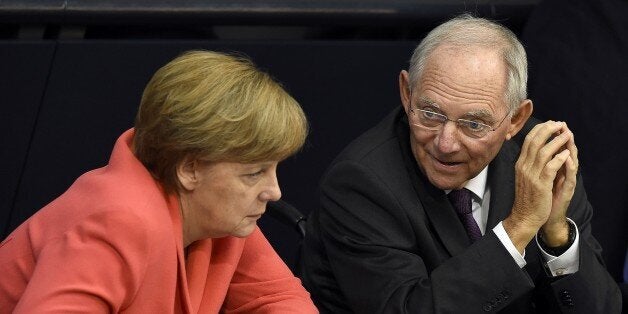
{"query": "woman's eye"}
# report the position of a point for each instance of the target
(255, 174)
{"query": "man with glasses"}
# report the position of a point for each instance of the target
(439, 209)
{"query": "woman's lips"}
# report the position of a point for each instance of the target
(256, 216)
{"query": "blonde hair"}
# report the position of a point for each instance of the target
(214, 107)
(466, 30)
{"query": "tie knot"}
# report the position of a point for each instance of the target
(461, 200)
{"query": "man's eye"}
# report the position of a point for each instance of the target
(429, 114)
(475, 126)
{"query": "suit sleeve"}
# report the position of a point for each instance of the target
(262, 283)
(94, 267)
(591, 289)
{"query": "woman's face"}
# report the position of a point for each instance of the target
(225, 198)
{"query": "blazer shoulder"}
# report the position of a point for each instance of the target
(373, 142)
(374, 159)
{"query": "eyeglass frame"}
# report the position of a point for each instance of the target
(458, 122)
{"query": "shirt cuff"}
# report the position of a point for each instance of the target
(501, 234)
(566, 263)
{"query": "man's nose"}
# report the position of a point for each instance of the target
(447, 139)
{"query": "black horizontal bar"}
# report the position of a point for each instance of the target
(278, 12)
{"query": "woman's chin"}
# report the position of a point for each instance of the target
(244, 231)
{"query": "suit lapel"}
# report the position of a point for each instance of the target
(501, 179)
(434, 201)
(442, 215)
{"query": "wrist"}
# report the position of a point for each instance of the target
(519, 232)
(562, 248)
(555, 234)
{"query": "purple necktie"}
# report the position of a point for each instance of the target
(461, 200)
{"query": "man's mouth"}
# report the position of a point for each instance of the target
(449, 163)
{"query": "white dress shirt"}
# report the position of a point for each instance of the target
(566, 263)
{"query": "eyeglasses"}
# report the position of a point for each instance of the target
(433, 121)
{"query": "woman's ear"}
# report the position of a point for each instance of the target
(519, 118)
(186, 173)
(404, 89)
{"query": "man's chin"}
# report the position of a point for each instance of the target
(447, 183)
(444, 181)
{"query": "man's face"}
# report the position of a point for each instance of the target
(461, 83)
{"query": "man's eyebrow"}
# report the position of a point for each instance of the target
(428, 102)
(481, 114)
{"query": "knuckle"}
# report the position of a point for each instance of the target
(520, 166)
(544, 153)
(529, 138)
(537, 141)
(550, 169)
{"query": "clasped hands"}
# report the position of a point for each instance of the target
(545, 180)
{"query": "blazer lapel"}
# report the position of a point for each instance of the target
(183, 296)
(439, 210)
(442, 215)
(501, 179)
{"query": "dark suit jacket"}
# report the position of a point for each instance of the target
(387, 241)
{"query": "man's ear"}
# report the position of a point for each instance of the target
(404, 89)
(519, 118)
(186, 173)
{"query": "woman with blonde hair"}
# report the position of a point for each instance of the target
(169, 225)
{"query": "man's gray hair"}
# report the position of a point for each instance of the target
(467, 30)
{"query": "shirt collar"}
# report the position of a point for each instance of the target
(477, 185)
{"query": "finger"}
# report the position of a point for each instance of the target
(525, 160)
(564, 190)
(571, 170)
(571, 145)
(553, 166)
(540, 149)
(537, 139)
(559, 180)
(526, 142)
(550, 149)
